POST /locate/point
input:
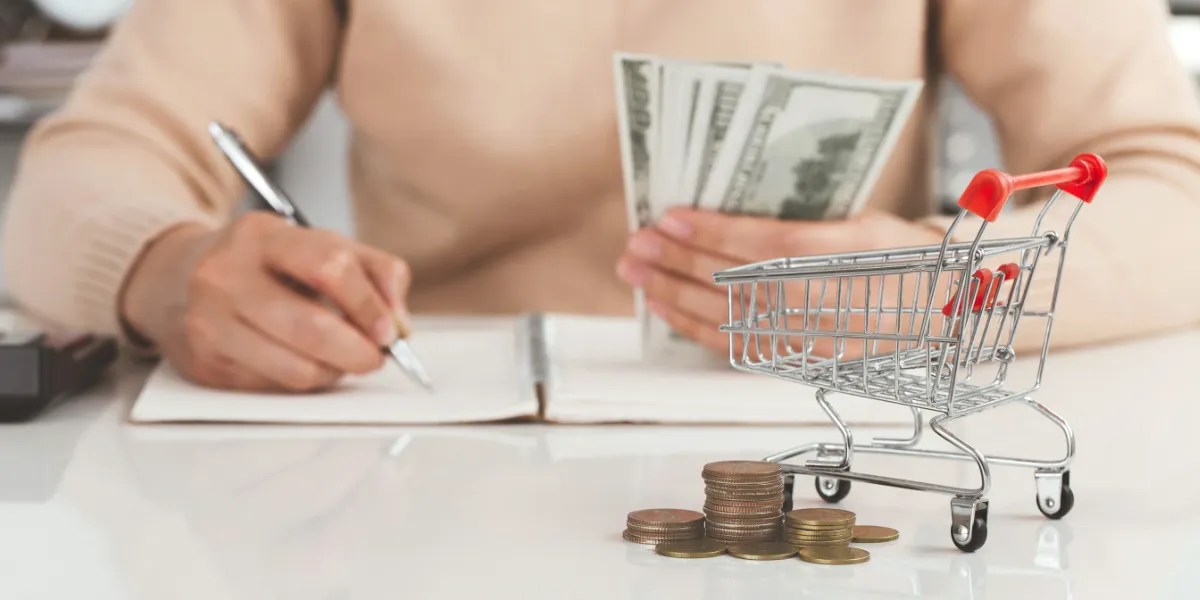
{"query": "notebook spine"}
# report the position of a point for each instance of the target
(539, 351)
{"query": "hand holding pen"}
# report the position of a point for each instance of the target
(264, 304)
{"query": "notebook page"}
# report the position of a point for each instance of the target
(598, 374)
(479, 367)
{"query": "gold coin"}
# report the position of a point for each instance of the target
(658, 535)
(795, 542)
(701, 548)
(792, 536)
(834, 555)
(664, 516)
(872, 534)
(819, 543)
(811, 527)
(821, 535)
(657, 539)
(748, 536)
(762, 550)
(821, 516)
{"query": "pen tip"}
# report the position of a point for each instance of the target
(403, 355)
(424, 379)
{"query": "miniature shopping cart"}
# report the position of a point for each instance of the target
(931, 328)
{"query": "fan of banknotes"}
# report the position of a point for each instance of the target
(752, 139)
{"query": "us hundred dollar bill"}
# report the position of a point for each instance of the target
(640, 83)
(652, 164)
(637, 86)
(807, 145)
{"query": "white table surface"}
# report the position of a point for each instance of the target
(92, 507)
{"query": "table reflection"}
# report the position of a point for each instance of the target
(325, 513)
(1040, 573)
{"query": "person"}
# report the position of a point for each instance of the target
(485, 171)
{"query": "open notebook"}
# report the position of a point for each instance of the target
(556, 368)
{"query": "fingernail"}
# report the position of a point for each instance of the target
(643, 245)
(403, 321)
(385, 331)
(631, 272)
(675, 227)
(656, 307)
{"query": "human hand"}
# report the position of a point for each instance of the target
(236, 307)
(674, 261)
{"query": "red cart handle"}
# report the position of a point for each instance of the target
(985, 276)
(990, 189)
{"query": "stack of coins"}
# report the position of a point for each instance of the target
(815, 527)
(743, 501)
(658, 525)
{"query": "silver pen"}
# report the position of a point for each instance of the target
(243, 160)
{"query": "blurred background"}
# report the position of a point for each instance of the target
(44, 44)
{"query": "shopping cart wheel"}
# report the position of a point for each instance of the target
(964, 511)
(1054, 496)
(789, 484)
(832, 490)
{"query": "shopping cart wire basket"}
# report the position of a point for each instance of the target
(931, 328)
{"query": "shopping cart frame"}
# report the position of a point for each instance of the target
(909, 374)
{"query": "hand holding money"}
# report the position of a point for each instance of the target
(751, 139)
(672, 261)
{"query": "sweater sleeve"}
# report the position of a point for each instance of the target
(1062, 77)
(128, 155)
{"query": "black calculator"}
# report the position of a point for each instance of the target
(39, 368)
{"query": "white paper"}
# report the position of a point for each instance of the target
(479, 369)
(598, 374)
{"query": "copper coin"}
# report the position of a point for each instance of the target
(873, 534)
(744, 479)
(767, 522)
(635, 526)
(739, 518)
(664, 516)
(732, 469)
(768, 497)
(726, 504)
(745, 490)
(772, 509)
(742, 482)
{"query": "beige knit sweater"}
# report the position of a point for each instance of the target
(484, 146)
